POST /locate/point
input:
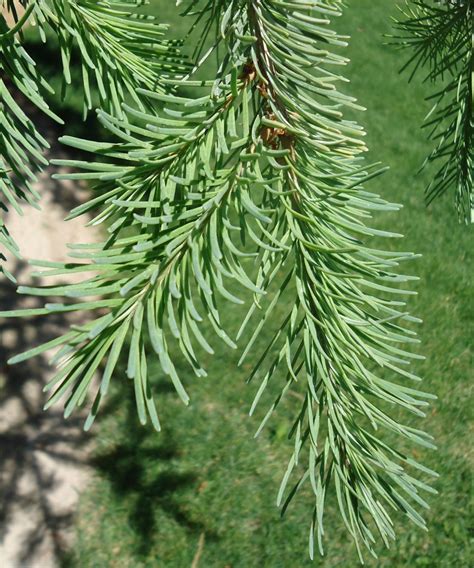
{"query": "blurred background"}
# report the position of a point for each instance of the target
(203, 492)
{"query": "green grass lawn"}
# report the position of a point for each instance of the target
(204, 484)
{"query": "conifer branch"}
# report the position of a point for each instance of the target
(263, 167)
(119, 49)
(21, 144)
(441, 37)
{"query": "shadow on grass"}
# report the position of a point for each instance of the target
(145, 475)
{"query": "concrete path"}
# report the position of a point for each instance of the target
(43, 459)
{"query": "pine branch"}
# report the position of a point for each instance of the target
(441, 38)
(119, 49)
(262, 167)
(336, 330)
(21, 145)
(176, 193)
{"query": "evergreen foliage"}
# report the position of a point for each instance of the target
(255, 185)
(441, 37)
(116, 48)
